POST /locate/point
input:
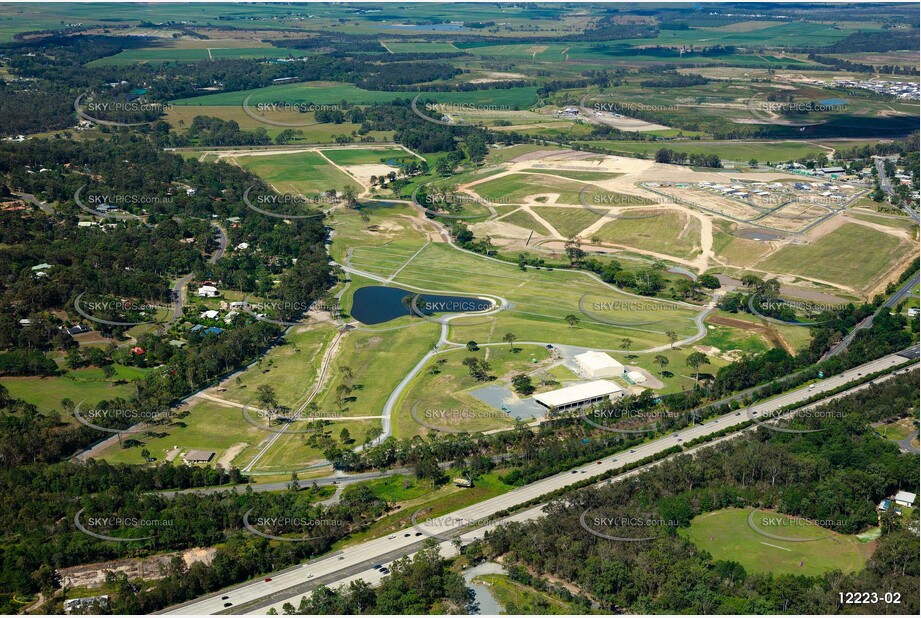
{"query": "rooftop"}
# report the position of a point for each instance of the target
(579, 392)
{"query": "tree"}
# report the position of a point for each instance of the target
(479, 369)
(672, 338)
(344, 436)
(510, 339)
(349, 196)
(472, 346)
(571, 320)
(626, 343)
(662, 362)
(266, 396)
(694, 361)
(522, 384)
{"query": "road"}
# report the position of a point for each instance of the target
(356, 561)
(897, 297)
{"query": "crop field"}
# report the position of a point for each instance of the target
(727, 535)
(852, 255)
(302, 173)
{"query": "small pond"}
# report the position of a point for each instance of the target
(376, 304)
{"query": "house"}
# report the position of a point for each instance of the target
(228, 319)
(904, 498)
(190, 192)
(579, 396)
(211, 314)
(40, 267)
(599, 365)
(137, 350)
(242, 246)
(197, 456)
(208, 291)
(78, 329)
(833, 170)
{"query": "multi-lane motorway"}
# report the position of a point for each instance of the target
(356, 562)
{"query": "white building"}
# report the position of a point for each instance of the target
(579, 396)
(599, 365)
(905, 498)
(636, 377)
(211, 314)
(208, 291)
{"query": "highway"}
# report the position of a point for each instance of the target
(356, 562)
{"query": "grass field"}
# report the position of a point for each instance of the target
(173, 54)
(302, 173)
(290, 368)
(729, 150)
(87, 384)
(897, 430)
(181, 117)
(576, 174)
(194, 428)
(727, 536)
(670, 232)
(514, 188)
(868, 254)
(540, 298)
(522, 218)
(516, 598)
(441, 394)
(363, 156)
(567, 221)
(326, 93)
(433, 503)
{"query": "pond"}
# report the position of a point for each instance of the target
(484, 601)
(376, 304)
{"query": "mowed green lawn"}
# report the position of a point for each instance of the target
(853, 255)
(172, 54)
(305, 173)
(727, 536)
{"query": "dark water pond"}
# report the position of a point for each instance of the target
(376, 304)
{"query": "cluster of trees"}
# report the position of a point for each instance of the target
(858, 67)
(803, 475)
(423, 584)
(666, 155)
(675, 80)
